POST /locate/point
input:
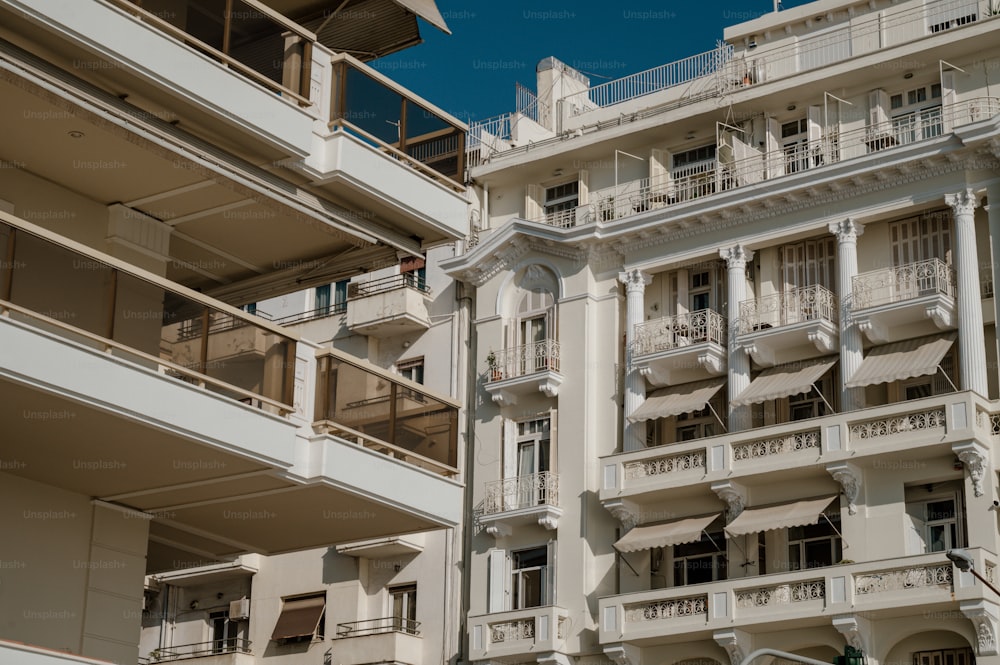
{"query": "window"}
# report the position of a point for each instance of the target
(534, 326)
(250, 308)
(959, 656)
(225, 633)
(695, 425)
(700, 291)
(808, 263)
(533, 447)
(340, 294)
(529, 578)
(921, 238)
(301, 619)
(561, 202)
(414, 271)
(321, 303)
(795, 142)
(811, 404)
(936, 517)
(916, 114)
(693, 172)
(941, 519)
(403, 601)
(412, 369)
(701, 561)
(816, 545)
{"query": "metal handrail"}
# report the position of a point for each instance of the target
(377, 627)
(198, 649)
(807, 303)
(670, 332)
(523, 360)
(521, 492)
(900, 283)
(356, 290)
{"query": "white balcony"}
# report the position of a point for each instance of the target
(789, 326)
(384, 640)
(761, 604)
(516, 635)
(387, 307)
(681, 348)
(905, 301)
(905, 430)
(522, 500)
(523, 370)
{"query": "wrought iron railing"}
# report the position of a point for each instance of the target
(524, 359)
(372, 287)
(521, 492)
(671, 332)
(228, 645)
(320, 312)
(377, 627)
(900, 283)
(808, 303)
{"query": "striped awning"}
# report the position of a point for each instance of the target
(676, 400)
(677, 532)
(901, 360)
(783, 516)
(784, 381)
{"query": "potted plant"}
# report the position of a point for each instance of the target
(494, 369)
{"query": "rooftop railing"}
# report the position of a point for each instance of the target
(671, 332)
(390, 118)
(377, 627)
(383, 412)
(901, 283)
(808, 303)
(107, 304)
(244, 35)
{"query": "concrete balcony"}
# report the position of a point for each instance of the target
(513, 636)
(890, 587)
(523, 370)
(681, 348)
(522, 500)
(385, 640)
(905, 301)
(786, 327)
(906, 430)
(387, 307)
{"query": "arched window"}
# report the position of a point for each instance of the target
(535, 319)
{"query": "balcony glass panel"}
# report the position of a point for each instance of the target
(387, 415)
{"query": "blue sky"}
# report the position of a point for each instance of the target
(471, 73)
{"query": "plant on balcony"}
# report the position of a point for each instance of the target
(494, 369)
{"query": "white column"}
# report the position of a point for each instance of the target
(635, 281)
(971, 343)
(847, 233)
(739, 360)
(993, 211)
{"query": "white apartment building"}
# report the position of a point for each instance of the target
(184, 476)
(735, 338)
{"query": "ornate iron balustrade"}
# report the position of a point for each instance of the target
(789, 443)
(377, 627)
(511, 631)
(781, 594)
(674, 608)
(671, 332)
(901, 579)
(901, 283)
(905, 424)
(523, 360)
(659, 466)
(521, 492)
(808, 303)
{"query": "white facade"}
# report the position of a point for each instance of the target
(767, 355)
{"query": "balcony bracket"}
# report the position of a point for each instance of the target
(824, 342)
(550, 520)
(713, 363)
(762, 355)
(855, 630)
(874, 332)
(941, 317)
(498, 530)
(735, 642)
(624, 511)
(735, 496)
(553, 658)
(983, 616)
(849, 477)
(622, 654)
(504, 398)
(974, 458)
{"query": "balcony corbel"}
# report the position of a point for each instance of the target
(983, 616)
(713, 363)
(855, 629)
(823, 341)
(942, 317)
(622, 654)
(762, 355)
(626, 512)
(735, 496)
(735, 642)
(875, 333)
(503, 398)
(974, 457)
(849, 477)
(498, 530)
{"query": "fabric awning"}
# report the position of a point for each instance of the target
(427, 10)
(784, 381)
(784, 516)
(902, 360)
(676, 400)
(661, 535)
(299, 618)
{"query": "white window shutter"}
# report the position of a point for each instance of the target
(550, 575)
(553, 440)
(915, 531)
(509, 428)
(878, 109)
(533, 201)
(497, 593)
(660, 180)
(775, 155)
(814, 120)
(583, 188)
(948, 95)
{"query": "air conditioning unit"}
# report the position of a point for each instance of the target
(239, 609)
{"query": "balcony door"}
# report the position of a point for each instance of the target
(529, 578)
(534, 326)
(225, 633)
(914, 241)
(404, 607)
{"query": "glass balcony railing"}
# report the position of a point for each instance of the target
(373, 108)
(63, 288)
(386, 413)
(244, 35)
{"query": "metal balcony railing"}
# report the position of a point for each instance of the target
(808, 303)
(523, 360)
(180, 652)
(406, 280)
(536, 489)
(671, 332)
(901, 283)
(377, 627)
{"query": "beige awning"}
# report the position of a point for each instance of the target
(784, 381)
(299, 618)
(902, 360)
(427, 10)
(676, 400)
(662, 535)
(784, 516)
